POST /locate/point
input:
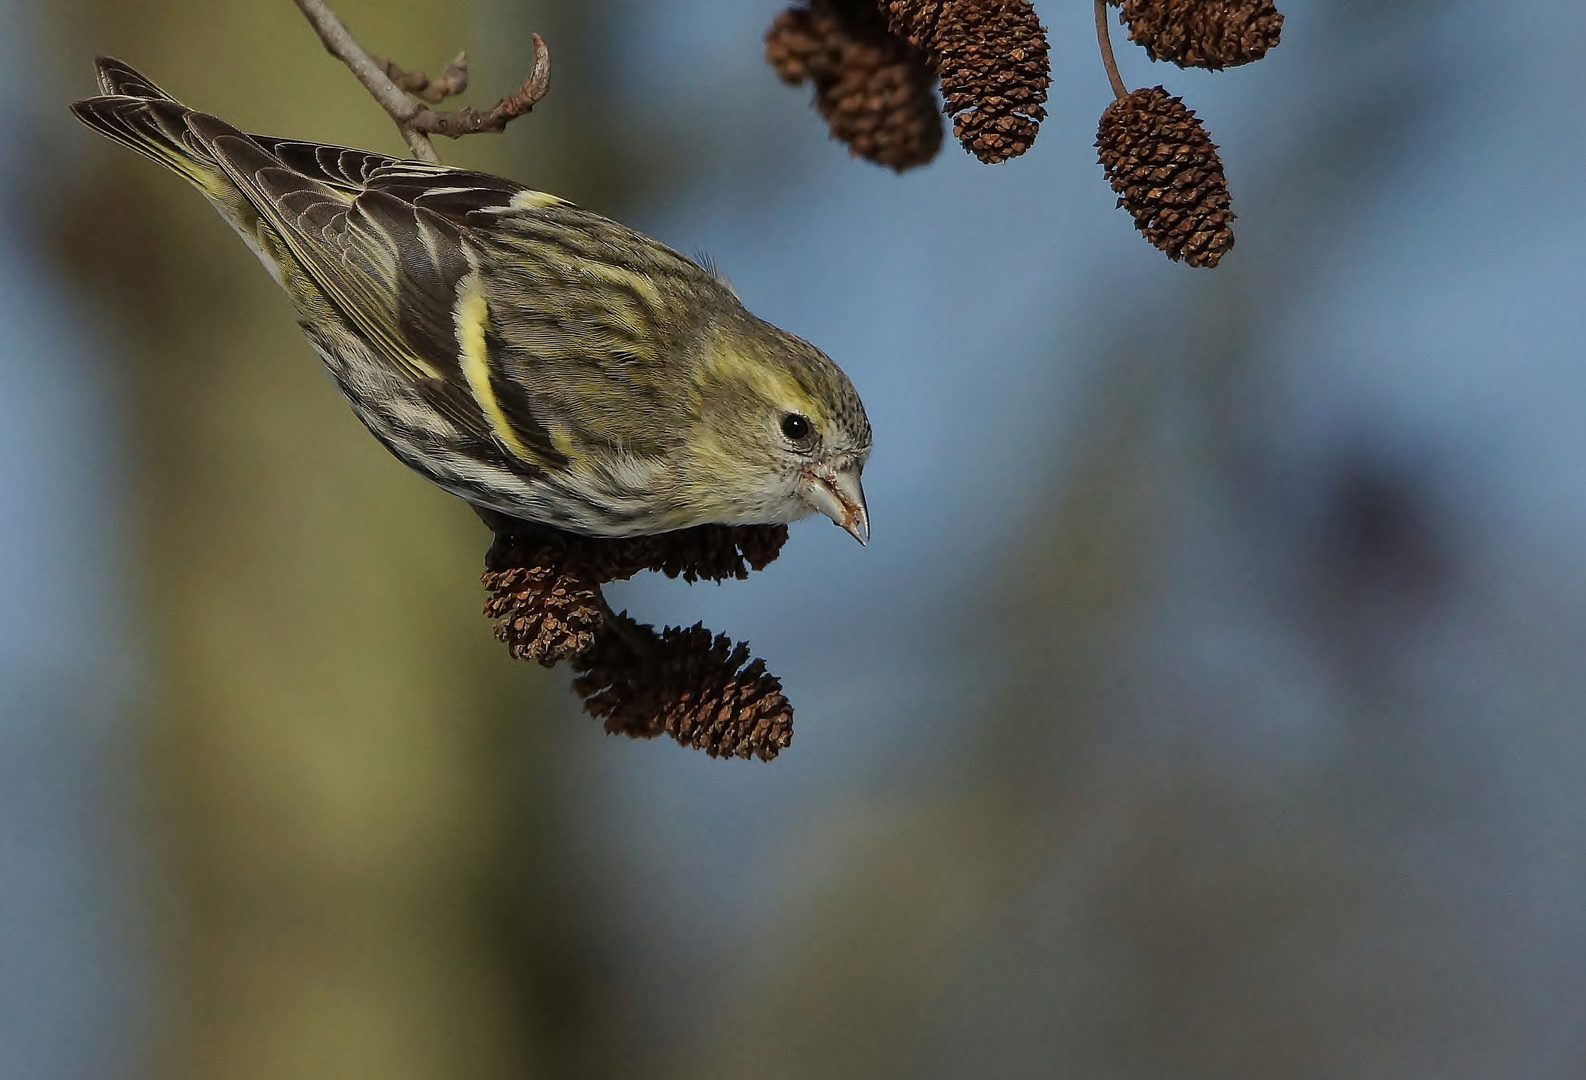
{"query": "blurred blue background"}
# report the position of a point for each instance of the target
(1208, 702)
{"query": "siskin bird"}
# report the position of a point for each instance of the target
(522, 353)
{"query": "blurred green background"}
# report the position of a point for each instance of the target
(1209, 703)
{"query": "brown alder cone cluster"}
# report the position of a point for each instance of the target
(874, 63)
(693, 685)
(872, 88)
(991, 57)
(1156, 153)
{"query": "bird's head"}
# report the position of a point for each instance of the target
(783, 433)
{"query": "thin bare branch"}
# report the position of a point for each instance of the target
(340, 43)
(389, 85)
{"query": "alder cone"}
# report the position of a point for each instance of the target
(1165, 169)
(700, 688)
(543, 613)
(803, 45)
(875, 91)
(1212, 34)
(991, 57)
(704, 552)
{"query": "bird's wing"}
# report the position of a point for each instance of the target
(340, 166)
(381, 239)
(451, 193)
(604, 324)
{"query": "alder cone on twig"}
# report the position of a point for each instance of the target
(1212, 34)
(874, 90)
(1165, 169)
(543, 613)
(703, 553)
(699, 688)
(991, 57)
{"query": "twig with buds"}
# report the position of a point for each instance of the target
(390, 86)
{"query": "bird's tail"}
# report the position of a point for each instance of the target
(136, 113)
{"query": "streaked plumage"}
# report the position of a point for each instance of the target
(523, 353)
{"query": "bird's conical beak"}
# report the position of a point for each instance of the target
(837, 494)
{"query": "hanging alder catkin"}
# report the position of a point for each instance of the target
(699, 688)
(991, 57)
(1167, 174)
(1212, 34)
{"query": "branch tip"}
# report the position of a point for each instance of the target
(389, 84)
(455, 125)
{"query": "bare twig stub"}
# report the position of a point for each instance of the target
(340, 43)
(471, 122)
(390, 85)
(453, 81)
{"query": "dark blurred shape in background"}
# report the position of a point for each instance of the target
(1208, 703)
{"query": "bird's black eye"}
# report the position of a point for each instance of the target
(795, 427)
